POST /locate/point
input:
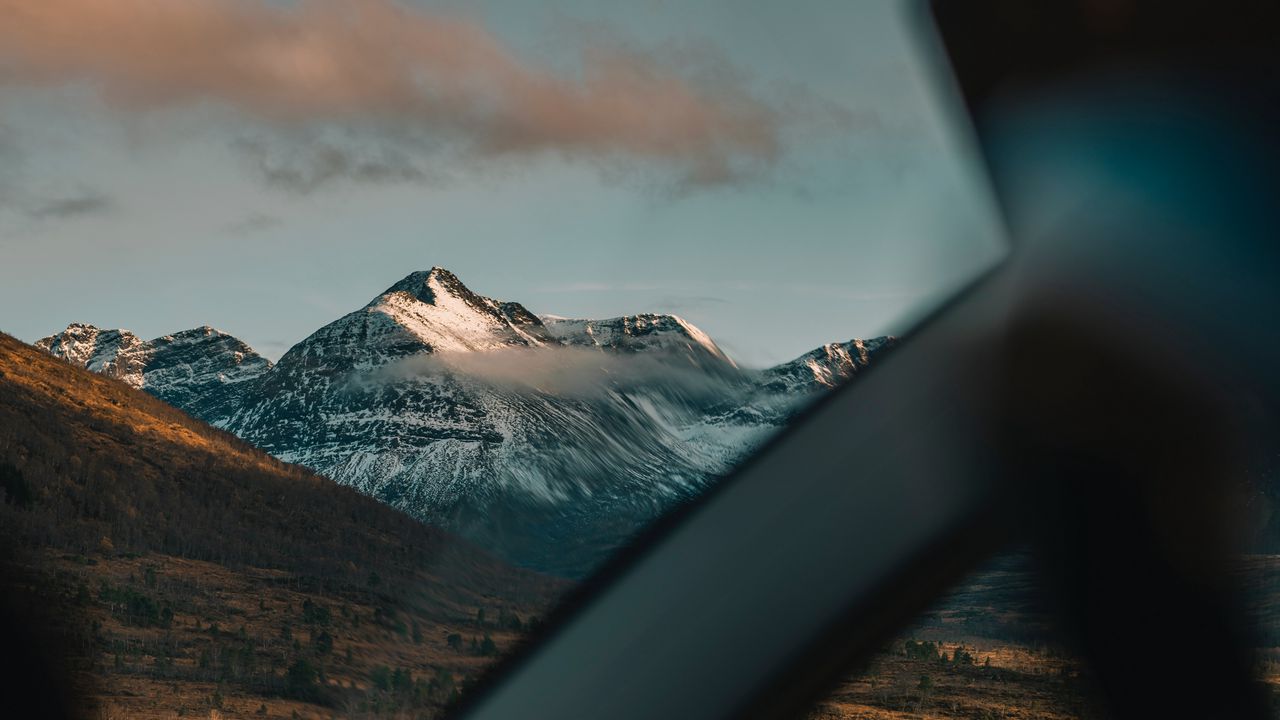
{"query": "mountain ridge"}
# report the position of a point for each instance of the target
(545, 439)
(625, 332)
(198, 370)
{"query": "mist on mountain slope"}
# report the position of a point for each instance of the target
(571, 372)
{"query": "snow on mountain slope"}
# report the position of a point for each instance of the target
(445, 315)
(547, 440)
(198, 370)
(639, 333)
(115, 353)
(824, 368)
(384, 400)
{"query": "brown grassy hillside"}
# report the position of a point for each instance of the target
(189, 573)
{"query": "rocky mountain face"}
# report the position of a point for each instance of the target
(202, 371)
(824, 368)
(548, 440)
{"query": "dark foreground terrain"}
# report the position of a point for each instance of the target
(990, 649)
(188, 574)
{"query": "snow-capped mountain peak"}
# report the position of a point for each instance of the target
(117, 353)
(426, 312)
(445, 315)
(549, 455)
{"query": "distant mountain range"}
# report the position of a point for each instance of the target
(548, 440)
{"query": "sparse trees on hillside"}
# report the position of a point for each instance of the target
(315, 614)
(300, 680)
(13, 487)
(508, 620)
(96, 471)
(927, 650)
(924, 687)
(323, 643)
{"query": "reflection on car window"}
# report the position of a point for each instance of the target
(497, 287)
(988, 649)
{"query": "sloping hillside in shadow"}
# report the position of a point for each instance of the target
(188, 572)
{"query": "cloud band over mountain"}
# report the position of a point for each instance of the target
(416, 77)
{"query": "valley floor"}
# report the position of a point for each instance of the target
(1016, 669)
(163, 637)
(1017, 683)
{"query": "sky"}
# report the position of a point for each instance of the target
(780, 174)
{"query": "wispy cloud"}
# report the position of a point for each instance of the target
(82, 202)
(272, 349)
(301, 165)
(411, 77)
(565, 371)
(685, 303)
(11, 160)
(42, 203)
(250, 224)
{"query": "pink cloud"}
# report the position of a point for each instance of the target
(376, 65)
